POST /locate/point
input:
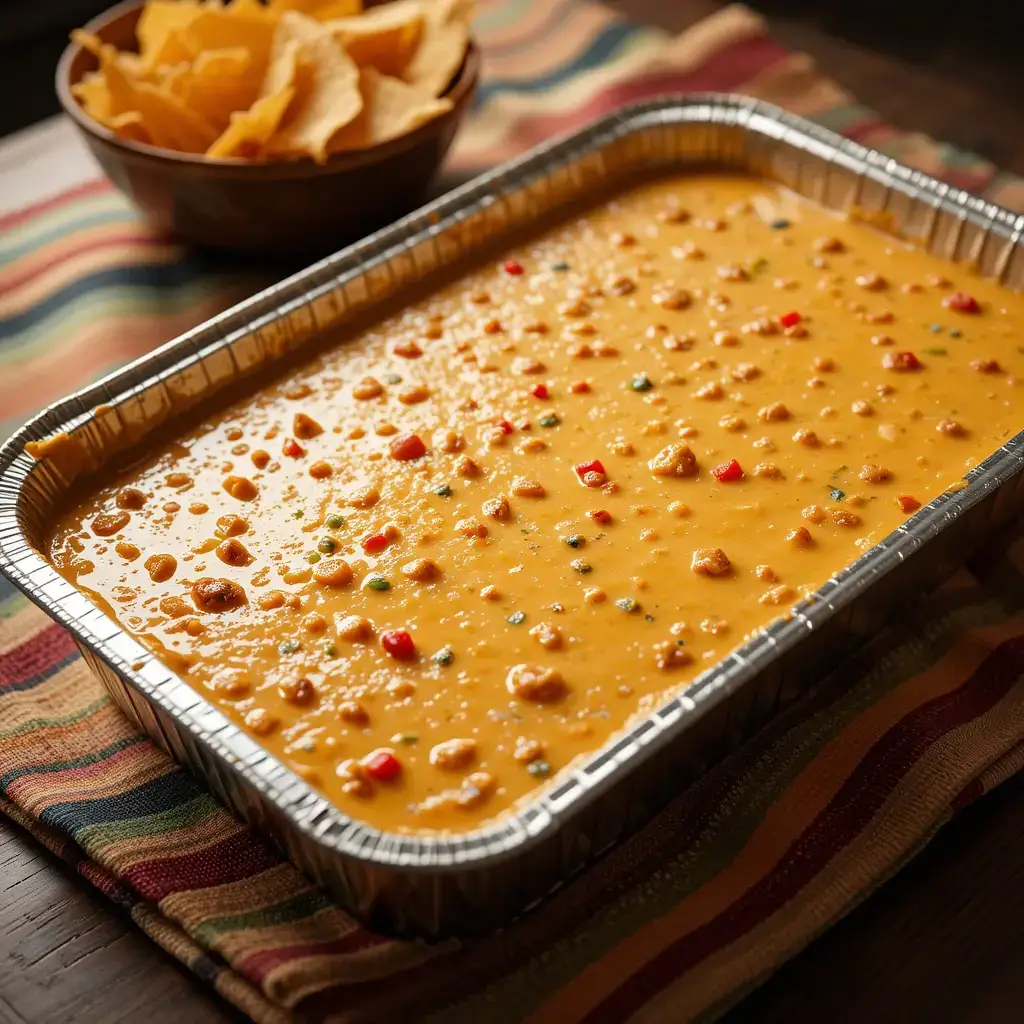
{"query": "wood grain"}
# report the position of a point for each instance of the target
(944, 940)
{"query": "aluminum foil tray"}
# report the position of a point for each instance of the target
(464, 884)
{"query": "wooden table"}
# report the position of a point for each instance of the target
(943, 941)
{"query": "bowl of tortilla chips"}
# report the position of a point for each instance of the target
(271, 127)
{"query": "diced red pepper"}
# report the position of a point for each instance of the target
(399, 644)
(513, 267)
(383, 766)
(901, 361)
(790, 319)
(728, 472)
(408, 446)
(961, 302)
(375, 543)
(599, 515)
(293, 449)
(907, 503)
(591, 474)
(540, 391)
(506, 427)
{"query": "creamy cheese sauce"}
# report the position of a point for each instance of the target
(432, 567)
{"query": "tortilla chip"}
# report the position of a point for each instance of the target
(130, 125)
(315, 8)
(391, 108)
(443, 45)
(384, 38)
(94, 95)
(159, 28)
(218, 83)
(166, 118)
(328, 95)
(223, 29)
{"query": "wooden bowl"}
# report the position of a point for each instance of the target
(267, 209)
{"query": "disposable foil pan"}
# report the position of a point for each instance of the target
(469, 883)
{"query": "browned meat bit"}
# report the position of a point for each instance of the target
(129, 552)
(466, 467)
(527, 750)
(270, 601)
(981, 365)
(765, 573)
(161, 567)
(450, 442)
(622, 285)
(106, 524)
(732, 423)
(233, 552)
(536, 683)
(951, 428)
(777, 595)
(671, 654)
(575, 308)
(823, 364)
(178, 480)
(885, 316)
(408, 349)
(873, 474)
(421, 570)
(768, 470)
(710, 562)
(808, 438)
(497, 508)
(773, 413)
(800, 537)
(547, 635)
(711, 391)
(260, 458)
(261, 721)
(217, 595)
(241, 488)
(130, 498)
(673, 215)
(528, 366)
(367, 388)
(314, 622)
(829, 244)
(688, 251)
(763, 326)
(862, 408)
(580, 351)
(523, 487)
(673, 460)
(354, 628)
(745, 371)
(297, 691)
(414, 395)
(623, 239)
(353, 712)
(882, 340)
(814, 514)
(321, 470)
(453, 755)
(725, 339)
(304, 427)
(332, 572)
(364, 497)
(733, 272)
(231, 526)
(872, 282)
(476, 788)
(843, 517)
(470, 528)
(672, 298)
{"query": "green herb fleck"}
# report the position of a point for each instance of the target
(328, 545)
(335, 522)
(935, 328)
(649, 617)
(779, 224)
(936, 350)
(539, 768)
(560, 266)
(627, 604)
(835, 494)
(641, 382)
(408, 738)
(574, 541)
(312, 558)
(580, 566)
(330, 651)
(378, 583)
(288, 646)
(549, 420)
(956, 333)
(298, 514)
(443, 490)
(445, 656)
(517, 618)
(392, 378)
(308, 745)
(758, 265)
(841, 469)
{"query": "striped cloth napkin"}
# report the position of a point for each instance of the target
(737, 876)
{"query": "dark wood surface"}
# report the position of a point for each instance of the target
(944, 940)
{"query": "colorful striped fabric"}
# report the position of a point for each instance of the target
(737, 876)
